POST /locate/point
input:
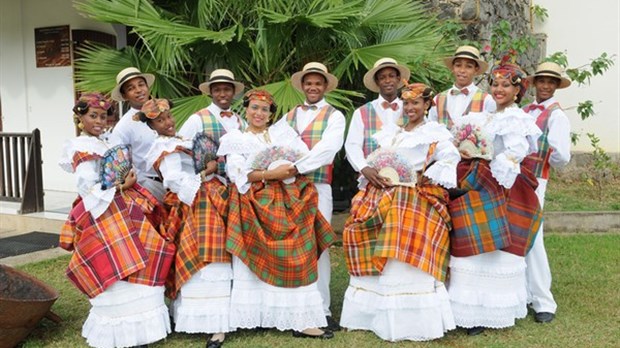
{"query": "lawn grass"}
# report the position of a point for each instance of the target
(565, 194)
(586, 282)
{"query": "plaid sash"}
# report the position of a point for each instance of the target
(80, 157)
(538, 162)
(119, 244)
(409, 224)
(479, 217)
(443, 116)
(372, 124)
(213, 128)
(311, 136)
(278, 231)
(524, 213)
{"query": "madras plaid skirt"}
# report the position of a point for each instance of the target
(120, 244)
(489, 217)
(182, 224)
(278, 232)
(524, 213)
(211, 211)
(480, 216)
(403, 223)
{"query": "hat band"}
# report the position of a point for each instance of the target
(548, 72)
(129, 76)
(468, 54)
(221, 77)
(386, 63)
(315, 69)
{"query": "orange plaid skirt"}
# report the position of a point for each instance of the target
(403, 223)
(278, 231)
(120, 244)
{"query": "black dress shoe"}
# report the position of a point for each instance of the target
(474, 331)
(214, 344)
(544, 317)
(332, 325)
(325, 335)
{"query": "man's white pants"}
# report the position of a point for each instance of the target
(538, 274)
(326, 205)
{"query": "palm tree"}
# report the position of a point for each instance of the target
(263, 42)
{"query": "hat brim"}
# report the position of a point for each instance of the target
(205, 86)
(564, 82)
(483, 66)
(369, 77)
(116, 92)
(332, 80)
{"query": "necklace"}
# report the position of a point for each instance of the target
(264, 133)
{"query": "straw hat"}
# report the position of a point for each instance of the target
(369, 77)
(314, 68)
(126, 75)
(468, 52)
(221, 75)
(550, 69)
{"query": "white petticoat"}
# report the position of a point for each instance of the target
(404, 303)
(255, 303)
(488, 289)
(203, 303)
(127, 315)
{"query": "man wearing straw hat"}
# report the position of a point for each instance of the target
(464, 96)
(203, 304)
(133, 87)
(385, 78)
(553, 151)
(321, 127)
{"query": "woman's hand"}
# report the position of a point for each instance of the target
(372, 175)
(211, 168)
(465, 155)
(130, 180)
(281, 172)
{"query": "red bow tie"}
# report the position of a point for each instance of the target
(392, 106)
(305, 107)
(533, 107)
(226, 113)
(455, 91)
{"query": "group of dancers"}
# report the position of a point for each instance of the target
(444, 231)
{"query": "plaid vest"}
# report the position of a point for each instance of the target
(538, 162)
(213, 128)
(311, 136)
(372, 123)
(476, 105)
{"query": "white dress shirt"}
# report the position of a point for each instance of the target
(457, 104)
(140, 137)
(559, 134)
(325, 150)
(355, 138)
(194, 124)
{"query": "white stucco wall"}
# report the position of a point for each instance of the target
(38, 97)
(585, 31)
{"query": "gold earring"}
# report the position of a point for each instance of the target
(80, 125)
(515, 98)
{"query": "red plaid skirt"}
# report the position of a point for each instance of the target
(278, 231)
(403, 223)
(120, 244)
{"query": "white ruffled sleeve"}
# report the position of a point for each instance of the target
(177, 179)
(516, 134)
(385, 136)
(443, 170)
(237, 170)
(96, 200)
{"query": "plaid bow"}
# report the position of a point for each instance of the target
(226, 113)
(532, 107)
(305, 107)
(456, 91)
(392, 106)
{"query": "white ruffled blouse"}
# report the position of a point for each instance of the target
(241, 148)
(414, 146)
(514, 134)
(96, 200)
(176, 168)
